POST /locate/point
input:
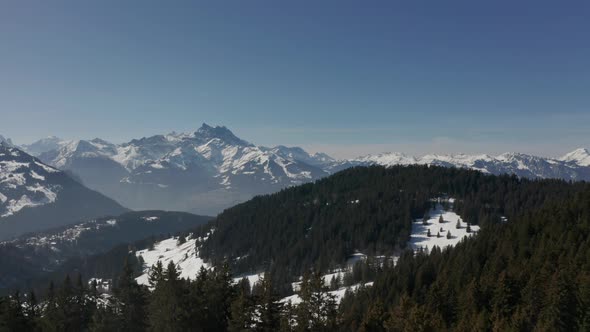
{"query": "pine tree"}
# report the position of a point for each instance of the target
(373, 319)
(269, 306)
(428, 233)
(561, 310)
(167, 305)
(242, 313)
(468, 230)
(32, 307)
(440, 219)
(303, 310)
(458, 225)
(449, 236)
(156, 274)
(104, 319)
(130, 301)
(49, 321)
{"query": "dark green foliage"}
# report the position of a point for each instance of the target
(529, 274)
(317, 225)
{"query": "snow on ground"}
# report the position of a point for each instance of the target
(252, 278)
(338, 294)
(185, 256)
(419, 239)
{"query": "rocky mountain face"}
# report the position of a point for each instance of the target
(34, 196)
(211, 169)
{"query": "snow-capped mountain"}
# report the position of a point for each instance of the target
(211, 169)
(5, 141)
(570, 167)
(580, 157)
(34, 196)
(204, 171)
(44, 145)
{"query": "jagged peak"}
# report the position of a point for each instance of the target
(207, 132)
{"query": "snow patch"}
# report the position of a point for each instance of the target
(185, 256)
(419, 240)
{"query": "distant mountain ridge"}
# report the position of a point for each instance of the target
(572, 166)
(204, 171)
(211, 169)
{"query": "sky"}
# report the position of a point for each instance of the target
(343, 77)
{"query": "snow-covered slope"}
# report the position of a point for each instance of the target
(184, 255)
(442, 235)
(580, 157)
(34, 195)
(23, 182)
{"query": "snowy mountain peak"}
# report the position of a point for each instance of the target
(207, 133)
(387, 159)
(44, 145)
(5, 141)
(580, 156)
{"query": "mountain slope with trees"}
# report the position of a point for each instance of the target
(30, 257)
(527, 269)
(363, 209)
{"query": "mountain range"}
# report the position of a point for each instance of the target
(211, 169)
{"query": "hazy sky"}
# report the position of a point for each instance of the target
(344, 77)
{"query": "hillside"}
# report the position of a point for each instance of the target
(368, 210)
(531, 273)
(35, 196)
(34, 255)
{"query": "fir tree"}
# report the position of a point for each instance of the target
(269, 306)
(156, 274)
(242, 313)
(130, 301)
(167, 306)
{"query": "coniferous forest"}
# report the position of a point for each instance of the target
(527, 269)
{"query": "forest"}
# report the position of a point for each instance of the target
(529, 273)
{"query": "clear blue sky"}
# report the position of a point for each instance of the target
(345, 77)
